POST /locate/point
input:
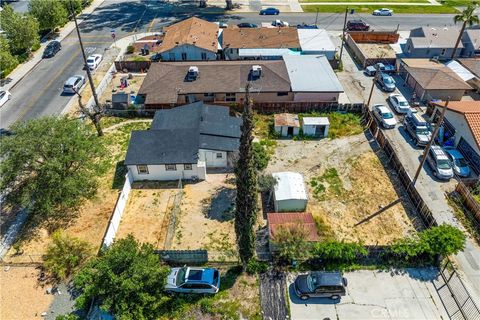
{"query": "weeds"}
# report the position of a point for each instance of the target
(328, 184)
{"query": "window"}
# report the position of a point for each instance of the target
(170, 167)
(208, 94)
(187, 167)
(219, 155)
(283, 93)
(204, 56)
(184, 56)
(230, 97)
(142, 169)
(443, 52)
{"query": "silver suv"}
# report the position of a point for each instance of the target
(417, 128)
(438, 160)
(73, 84)
(193, 280)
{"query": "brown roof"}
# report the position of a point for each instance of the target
(287, 119)
(260, 38)
(441, 78)
(193, 31)
(166, 80)
(471, 64)
(277, 221)
(471, 112)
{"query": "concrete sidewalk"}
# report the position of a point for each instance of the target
(371, 3)
(22, 70)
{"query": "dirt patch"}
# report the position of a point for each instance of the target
(350, 194)
(21, 296)
(377, 50)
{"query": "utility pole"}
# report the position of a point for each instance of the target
(343, 33)
(89, 74)
(373, 86)
(316, 17)
(429, 145)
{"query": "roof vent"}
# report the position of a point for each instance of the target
(256, 71)
(192, 73)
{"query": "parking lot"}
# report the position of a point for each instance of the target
(400, 294)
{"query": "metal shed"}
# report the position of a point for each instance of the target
(315, 126)
(289, 194)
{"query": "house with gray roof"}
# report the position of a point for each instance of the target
(183, 142)
(471, 43)
(429, 42)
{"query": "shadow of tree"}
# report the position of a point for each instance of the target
(222, 205)
(119, 176)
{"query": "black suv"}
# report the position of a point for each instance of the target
(320, 284)
(357, 25)
(247, 25)
(51, 49)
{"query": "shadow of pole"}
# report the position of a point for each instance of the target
(378, 212)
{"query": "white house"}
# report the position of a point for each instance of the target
(183, 142)
(316, 41)
(189, 40)
(315, 126)
(286, 124)
(289, 193)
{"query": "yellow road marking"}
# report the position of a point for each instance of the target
(151, 23)
(139, 19)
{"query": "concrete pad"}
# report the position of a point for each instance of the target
(357, 311)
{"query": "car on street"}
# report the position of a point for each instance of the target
(438, 161)
(399, 103)
(306, 26)
(384, 115)
(73, 84)
(51, 49)
(94, 60)
(357, 25)
(280, 23)
(247, 25)
(383, 12)
(221, 25)
(270, 12)
(384, 68)
(386, 82)
(5, 95)
(320, 284)
(459, 164)
(418, 128)
(193, 280)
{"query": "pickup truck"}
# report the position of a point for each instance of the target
(275, 23)
(386, 68)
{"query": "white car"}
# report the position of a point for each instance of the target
(94, 60)
(73, 84)
(399, 103)
(383, 12)
(384, 115)
(5, 95)
(280, 23)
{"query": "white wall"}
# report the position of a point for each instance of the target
(316, 96)
(329, 54)
(290, 205)
(283, 130)
(193, 53)
(309, 130)
(158, 172)
(462, 129)
(211, 160)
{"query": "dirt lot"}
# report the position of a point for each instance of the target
(350, 193)
(375, 50)
(206, 218)
(21, 296)
(147, 213)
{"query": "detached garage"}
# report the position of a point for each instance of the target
(289, 194)
(315, 126)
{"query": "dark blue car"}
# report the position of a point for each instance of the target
(270, 12)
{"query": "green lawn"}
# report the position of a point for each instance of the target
(370, 8)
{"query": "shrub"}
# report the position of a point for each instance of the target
(338, 251)
(260, 156)
(254, 266)
(266, 182)
(67, 317)
(291, 244)
(130, 49)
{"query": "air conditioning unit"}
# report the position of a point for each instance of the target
(256, 71)
(192, 73)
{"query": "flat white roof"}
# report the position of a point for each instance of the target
(460, 70)
(311, 73)
(289, 185)
(266, 52)
(315, 40)
(316, 121)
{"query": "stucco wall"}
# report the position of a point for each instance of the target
(158, 172)
(211, 160)
(193, 53)
(309, 130)
(291, 205)
(239, 96)
(316, 96)
(413, 52)
(283, 130)
(462, 129)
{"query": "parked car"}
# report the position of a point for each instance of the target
(280, 23)
(386, 82)
(270, 12)
(156, 57)
(399, 103)
(357, 25)
(5, 95)
(247, 25)
(307, 26)
(418, 128)
(439, 163)
(51, 49)
(320, 284)
(384, 115)
(458, 162)
(383, 12)
(222, 25)
(73, 84)
(193, 280)
(94, 60)
(385, 68)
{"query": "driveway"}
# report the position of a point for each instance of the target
(403, 294)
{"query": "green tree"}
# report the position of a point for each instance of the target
(338, 251)
(50, 14)
(261, 156)
(127, 280)
(65, 254)
(291, 244)
(50, 165)
(467, 16)
(21, 30)
(7, 61)
(443, 239)
(246, 181)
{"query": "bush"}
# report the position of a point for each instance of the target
(338, 251)
(290, 243)
(130, 49)
(254, 266)
(67, 317)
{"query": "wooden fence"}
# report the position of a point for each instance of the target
(468, 200)
(374, 36)
(184, 256)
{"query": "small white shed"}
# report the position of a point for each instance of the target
(286, 124)
(316, 126)
(289, 194)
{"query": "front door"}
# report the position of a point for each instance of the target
(319, 131)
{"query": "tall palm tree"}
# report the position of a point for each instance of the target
(469, 17)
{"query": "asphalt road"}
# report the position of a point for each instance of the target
(39, 93)
(20, 6)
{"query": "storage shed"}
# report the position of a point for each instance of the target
(315, 126)
(289, 194)
(287, 124)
